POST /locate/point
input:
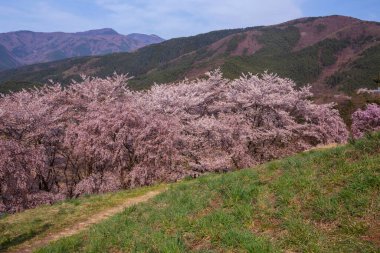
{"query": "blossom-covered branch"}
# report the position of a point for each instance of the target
(98, 136)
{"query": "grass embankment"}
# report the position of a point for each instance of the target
(316, 201)
(34, 224)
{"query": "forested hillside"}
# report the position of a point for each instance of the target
(333, 53)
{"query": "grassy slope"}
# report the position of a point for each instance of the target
(37, 223)
(316, 201)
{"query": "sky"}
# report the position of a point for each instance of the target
(169, 18)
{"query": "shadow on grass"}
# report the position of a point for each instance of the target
(10, 242)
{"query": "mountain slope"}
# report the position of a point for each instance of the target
(308, 50)
(28, 47)
(136, 63)
(323, 200)
(6, 59)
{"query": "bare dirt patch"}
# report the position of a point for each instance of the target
(320, 29)
(249, 45)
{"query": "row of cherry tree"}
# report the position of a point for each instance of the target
(98, 136)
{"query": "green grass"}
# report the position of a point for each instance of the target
(317, 201)
(36, 223)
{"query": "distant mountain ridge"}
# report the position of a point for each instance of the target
(334, 54)
(26, 47)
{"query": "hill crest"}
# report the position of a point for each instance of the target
(28, 47)
(316, 50)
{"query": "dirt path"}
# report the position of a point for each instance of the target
(79, 227)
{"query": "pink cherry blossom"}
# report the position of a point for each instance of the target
(366, 120)
(98, 136)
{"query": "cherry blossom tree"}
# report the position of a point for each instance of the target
(233, 124)
(366, 120)
(98, 136)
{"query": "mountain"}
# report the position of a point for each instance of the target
(334, 54)
(7, 60)
(26, 47)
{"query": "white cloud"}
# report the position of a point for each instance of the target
(173, 18)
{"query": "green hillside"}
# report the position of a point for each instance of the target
(136, 63)
(279, 52)
(303, 66)
(34, 224)
(325, 200)
(361, 72)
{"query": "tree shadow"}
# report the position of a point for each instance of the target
(10, 242)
